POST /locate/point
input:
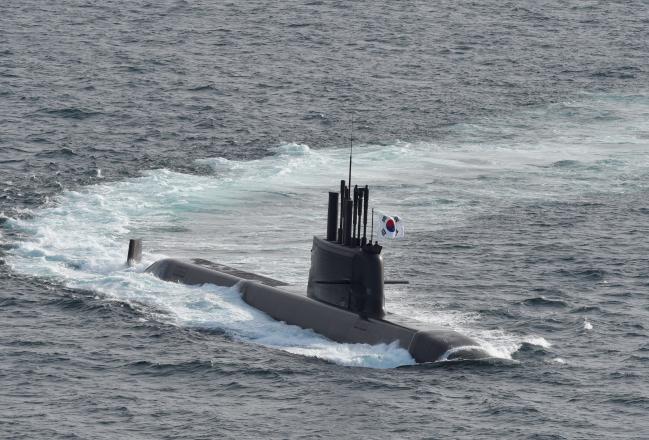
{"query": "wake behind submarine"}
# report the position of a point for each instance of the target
(345, 298)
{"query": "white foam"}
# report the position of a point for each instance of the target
(538, 341)
(81, 239)
(587, 324)
(497, 343)
(213, 307)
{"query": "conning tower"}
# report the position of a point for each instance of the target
(347, 270)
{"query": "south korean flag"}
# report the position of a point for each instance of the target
(389, 227)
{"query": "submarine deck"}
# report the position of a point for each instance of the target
(393, 318)
(332, 322)
(238, 273)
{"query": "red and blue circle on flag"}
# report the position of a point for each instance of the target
(389, 225)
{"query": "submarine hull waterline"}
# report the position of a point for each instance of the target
(332, 322)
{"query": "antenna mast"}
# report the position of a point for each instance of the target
(351, 137)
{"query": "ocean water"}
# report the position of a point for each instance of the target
(512, 138)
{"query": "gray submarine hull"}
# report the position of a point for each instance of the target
(338, 324)
(345, 298)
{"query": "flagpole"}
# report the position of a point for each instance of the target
(372, 230)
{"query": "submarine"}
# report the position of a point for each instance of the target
(345, 294)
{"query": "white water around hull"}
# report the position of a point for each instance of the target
(260, 215)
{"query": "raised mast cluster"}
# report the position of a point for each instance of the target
(346, 228)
